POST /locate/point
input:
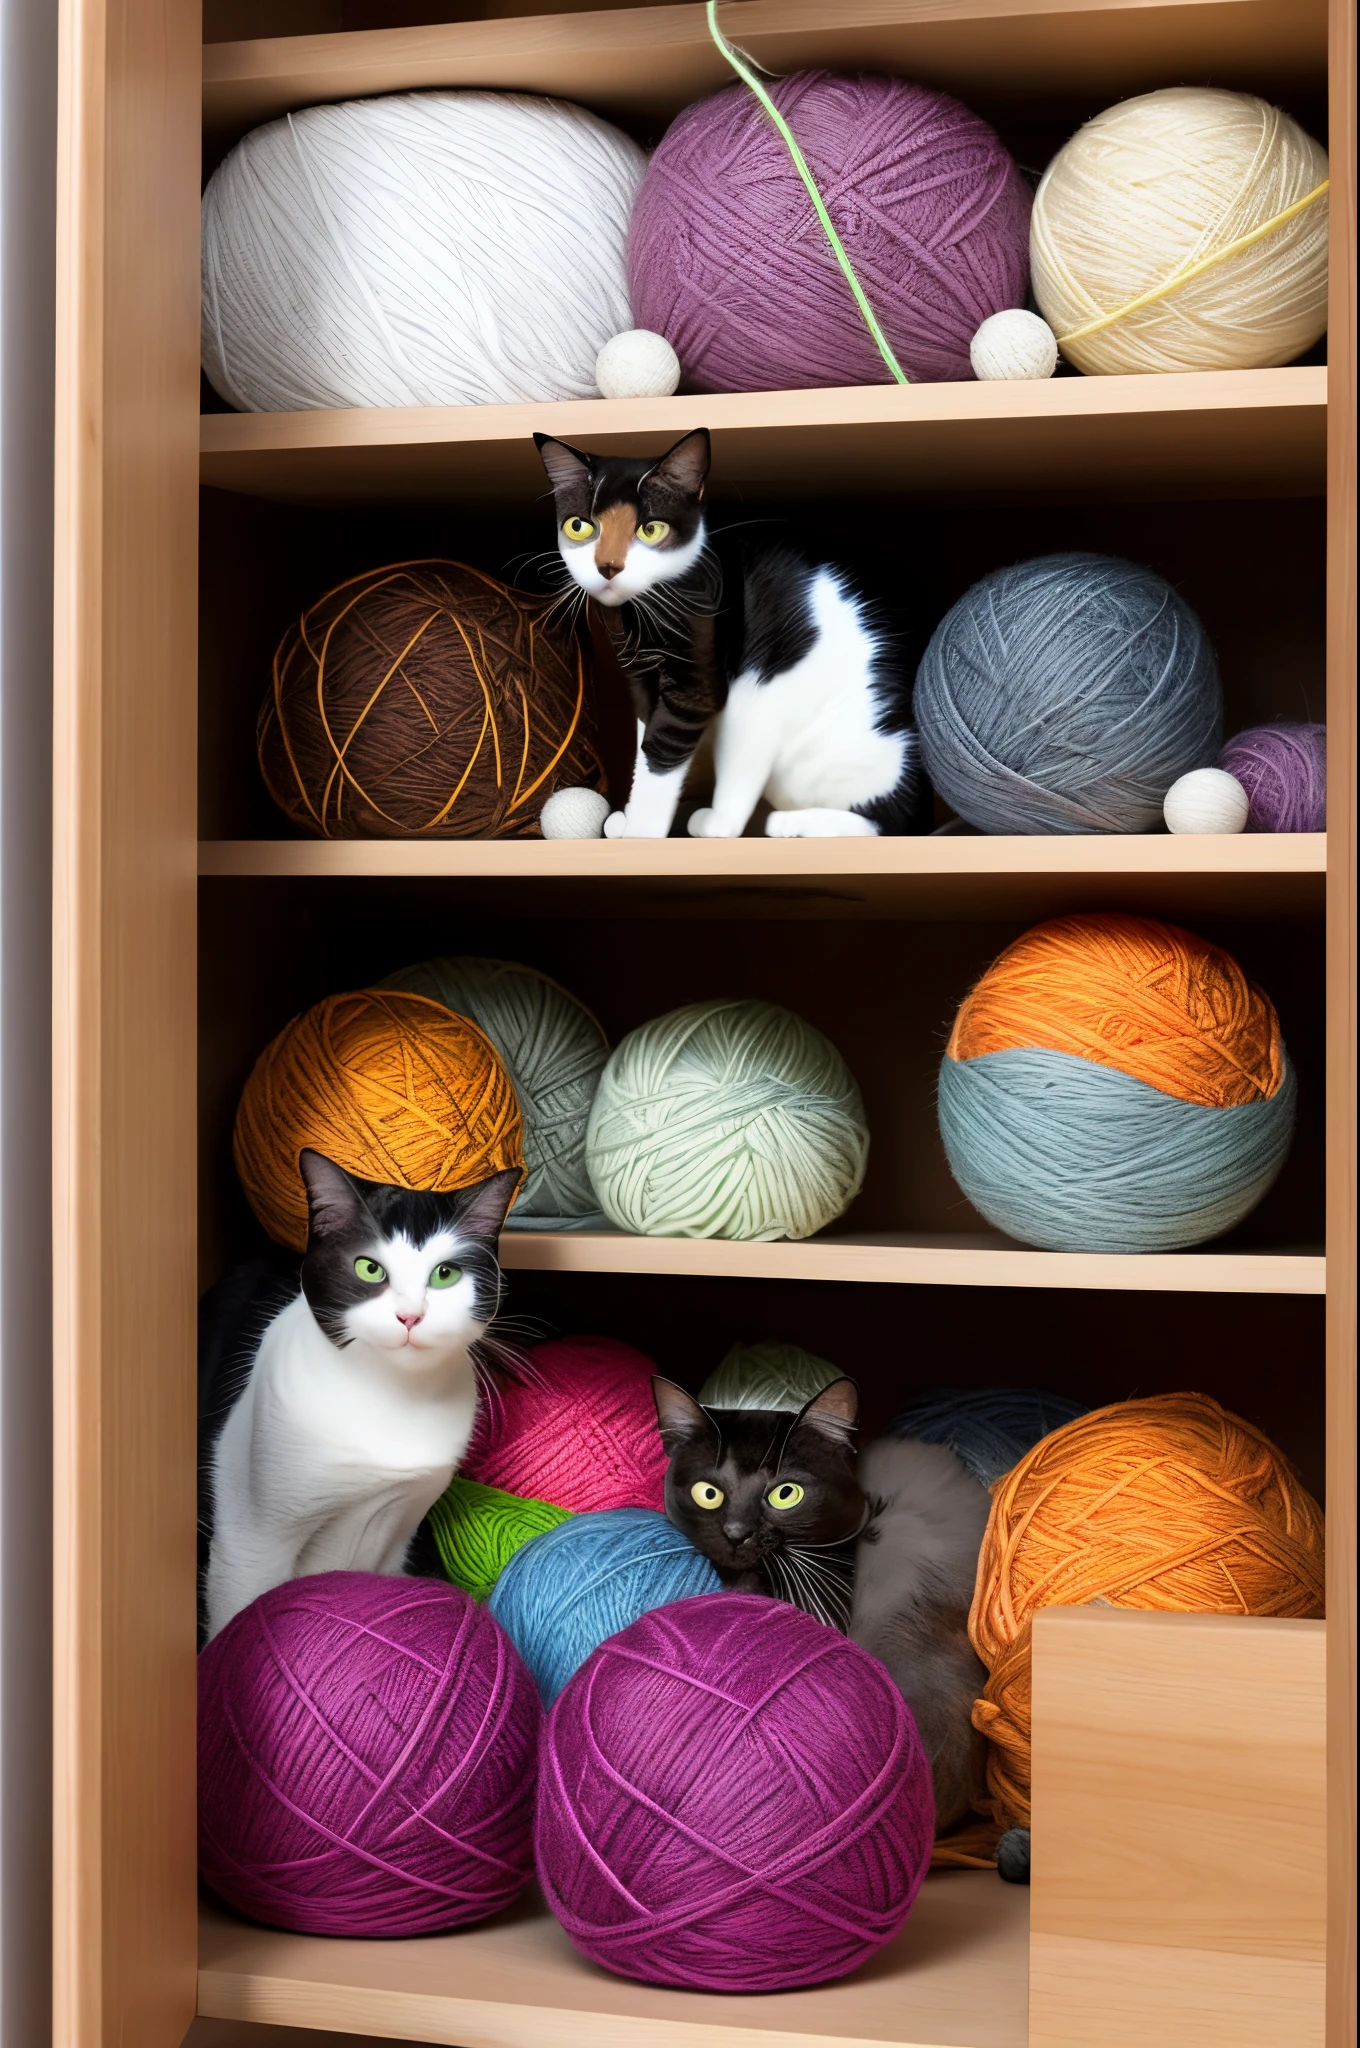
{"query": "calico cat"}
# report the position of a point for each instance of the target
(770, 1496)
(337, 1395)
(772, 646)
(914, 1574)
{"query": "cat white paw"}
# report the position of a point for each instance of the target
(614, 824)
(819, 824)
(704, 825)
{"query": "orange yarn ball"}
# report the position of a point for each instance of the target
(1168, 1504)
(1149, 999)
(392, 1087)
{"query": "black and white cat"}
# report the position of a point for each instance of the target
(773, 647)
(337, 1396)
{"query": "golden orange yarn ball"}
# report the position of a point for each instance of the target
(392, 1087)
(1167, 1504)
(427, 700)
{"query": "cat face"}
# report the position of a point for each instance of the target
(745, 1482)
(411, 1278)
(626, 524)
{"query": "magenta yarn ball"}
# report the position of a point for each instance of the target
(732, 1797)
(727, 258)
(367, 1751)
(1283, 769)
(578, 1428)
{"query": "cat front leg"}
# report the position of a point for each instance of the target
(650, 810)
(744, 754)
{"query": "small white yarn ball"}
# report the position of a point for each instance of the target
(1154, 185)
(1013, 343)
(637, 364)
(424, 248)
(573, 814)
(1206, 800)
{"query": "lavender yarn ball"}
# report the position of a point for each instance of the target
(727, 258)
(1283, 769)
(367, 1751)
(732, 1797)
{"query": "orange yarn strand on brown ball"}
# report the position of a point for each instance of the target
(393, 1087)
(1149, 999)
(1168, 1504)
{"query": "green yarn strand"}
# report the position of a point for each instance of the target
(801, 165)
(477, 1530)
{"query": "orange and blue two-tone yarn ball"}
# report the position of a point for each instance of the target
(1115, 1084)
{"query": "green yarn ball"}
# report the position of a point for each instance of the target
(477, 1530)
(726, 1119)
(767, 1376)
(555, 1052)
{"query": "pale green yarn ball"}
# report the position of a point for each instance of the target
(555, 1052)
(726, 1119)
(767, 1375)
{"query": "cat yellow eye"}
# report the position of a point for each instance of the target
(653, 531)
(445, 1275)
(370, 1271)
(705, 1495)
(786, 1495)
(578, 529)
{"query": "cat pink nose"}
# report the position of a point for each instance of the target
(410, 1316)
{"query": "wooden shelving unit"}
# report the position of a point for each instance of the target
(1225, 473)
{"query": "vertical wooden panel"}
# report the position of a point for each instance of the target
(1179, 1891)
(1341, 1039)
(123, 1038)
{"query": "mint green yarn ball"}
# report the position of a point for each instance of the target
(726, 1119)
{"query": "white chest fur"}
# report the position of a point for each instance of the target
(328, 1461)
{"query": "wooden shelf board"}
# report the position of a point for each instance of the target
(928, 878)
(1221, 433)
(916, 1259)
(642, 64)
(956, 1977)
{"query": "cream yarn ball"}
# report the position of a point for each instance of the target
(1012, 344)
(637, 364)
(426, 248)
(1206, 800)
(573, 814)
(1151, 189)
(726, 1119)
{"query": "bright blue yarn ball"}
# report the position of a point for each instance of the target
(990, 1429)
(1072, 1156)
(564, 1592)
(1067, 694)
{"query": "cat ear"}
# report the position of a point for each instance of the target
(482, 1209)
(834, 1412)
(568, 469)
(678, 1414)
(685, 466)
(333, 1202)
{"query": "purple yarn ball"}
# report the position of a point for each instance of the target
(727, 258)
(732, 1797)
(1283, 769)
(367, 1753)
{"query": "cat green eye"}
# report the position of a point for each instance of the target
(705, 1495)
(578, 529)
(445, 1275)
(370, 1271)
(787, 1494)
(653, 532)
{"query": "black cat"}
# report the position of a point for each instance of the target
(770, 1496)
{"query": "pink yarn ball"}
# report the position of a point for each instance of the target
(367, 1750)
(1283, 769)
(579, 1430)
(727, 258)
(732, 1797)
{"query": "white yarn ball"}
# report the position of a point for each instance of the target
(428, 248)
(1013, 344)
(637, 364)
(573, 814)
(1206, 800)
(1154, 185)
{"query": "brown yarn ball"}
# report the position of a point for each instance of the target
(392, 1087)
(426, 699)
